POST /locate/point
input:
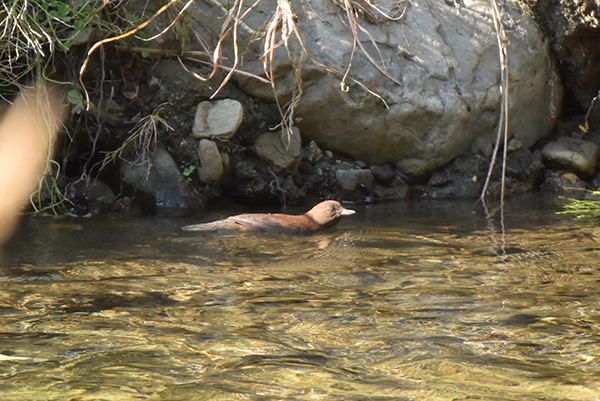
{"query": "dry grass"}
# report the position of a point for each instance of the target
(22, 42)
(143, 136)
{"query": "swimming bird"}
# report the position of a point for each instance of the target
(326, 214)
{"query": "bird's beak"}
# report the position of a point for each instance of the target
(347, 212)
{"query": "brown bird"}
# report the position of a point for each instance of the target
(324, 215)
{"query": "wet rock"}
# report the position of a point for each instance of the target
(383, 173)
(159, 176)
(518, 163)
(220, 119)
(562, 183)
(311, 152)
(96, 191)
(574, 29)
(350, 180)
(279, 149)
(212, 163)
(291, 191)
(595, 181)
(576, 155)
(248, 185)
(517, 187)
(397, 189)
(463, 178)
(512, 186)
(123, 205)
(98, 196)
(76, 203)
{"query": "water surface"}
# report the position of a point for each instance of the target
(402, 301)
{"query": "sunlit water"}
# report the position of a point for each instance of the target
(402, 301)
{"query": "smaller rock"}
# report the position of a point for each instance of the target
(111, 112)
(460, 179)
(291, 190)
(226, 160)
(514, 144)
(573, 154)
(221, 119)
(159, 176)
(279, 149)
(361, 164)
(397, 190)
(352, 179)
(212, 162)
(383, 173)
(311, 152)
(79, 36)
(567, 184)
(518, 163)
(248, 185)
(98, 191)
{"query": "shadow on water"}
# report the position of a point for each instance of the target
(403, 301)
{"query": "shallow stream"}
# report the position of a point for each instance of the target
(402, 301)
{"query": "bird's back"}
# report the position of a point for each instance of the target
(270, 223)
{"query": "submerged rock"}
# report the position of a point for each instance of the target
(463, 178)
(563, 183)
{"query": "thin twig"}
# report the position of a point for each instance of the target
(115, 38)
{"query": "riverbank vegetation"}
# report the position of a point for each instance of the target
(97, 51)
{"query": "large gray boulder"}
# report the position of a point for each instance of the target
(437, 71)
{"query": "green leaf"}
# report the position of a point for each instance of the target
(64, 10)
(79, 25)
(66, 45)
(189, 170)
(74, 97)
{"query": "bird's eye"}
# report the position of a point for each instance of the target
(329, 208)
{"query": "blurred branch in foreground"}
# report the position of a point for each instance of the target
(27, 130)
